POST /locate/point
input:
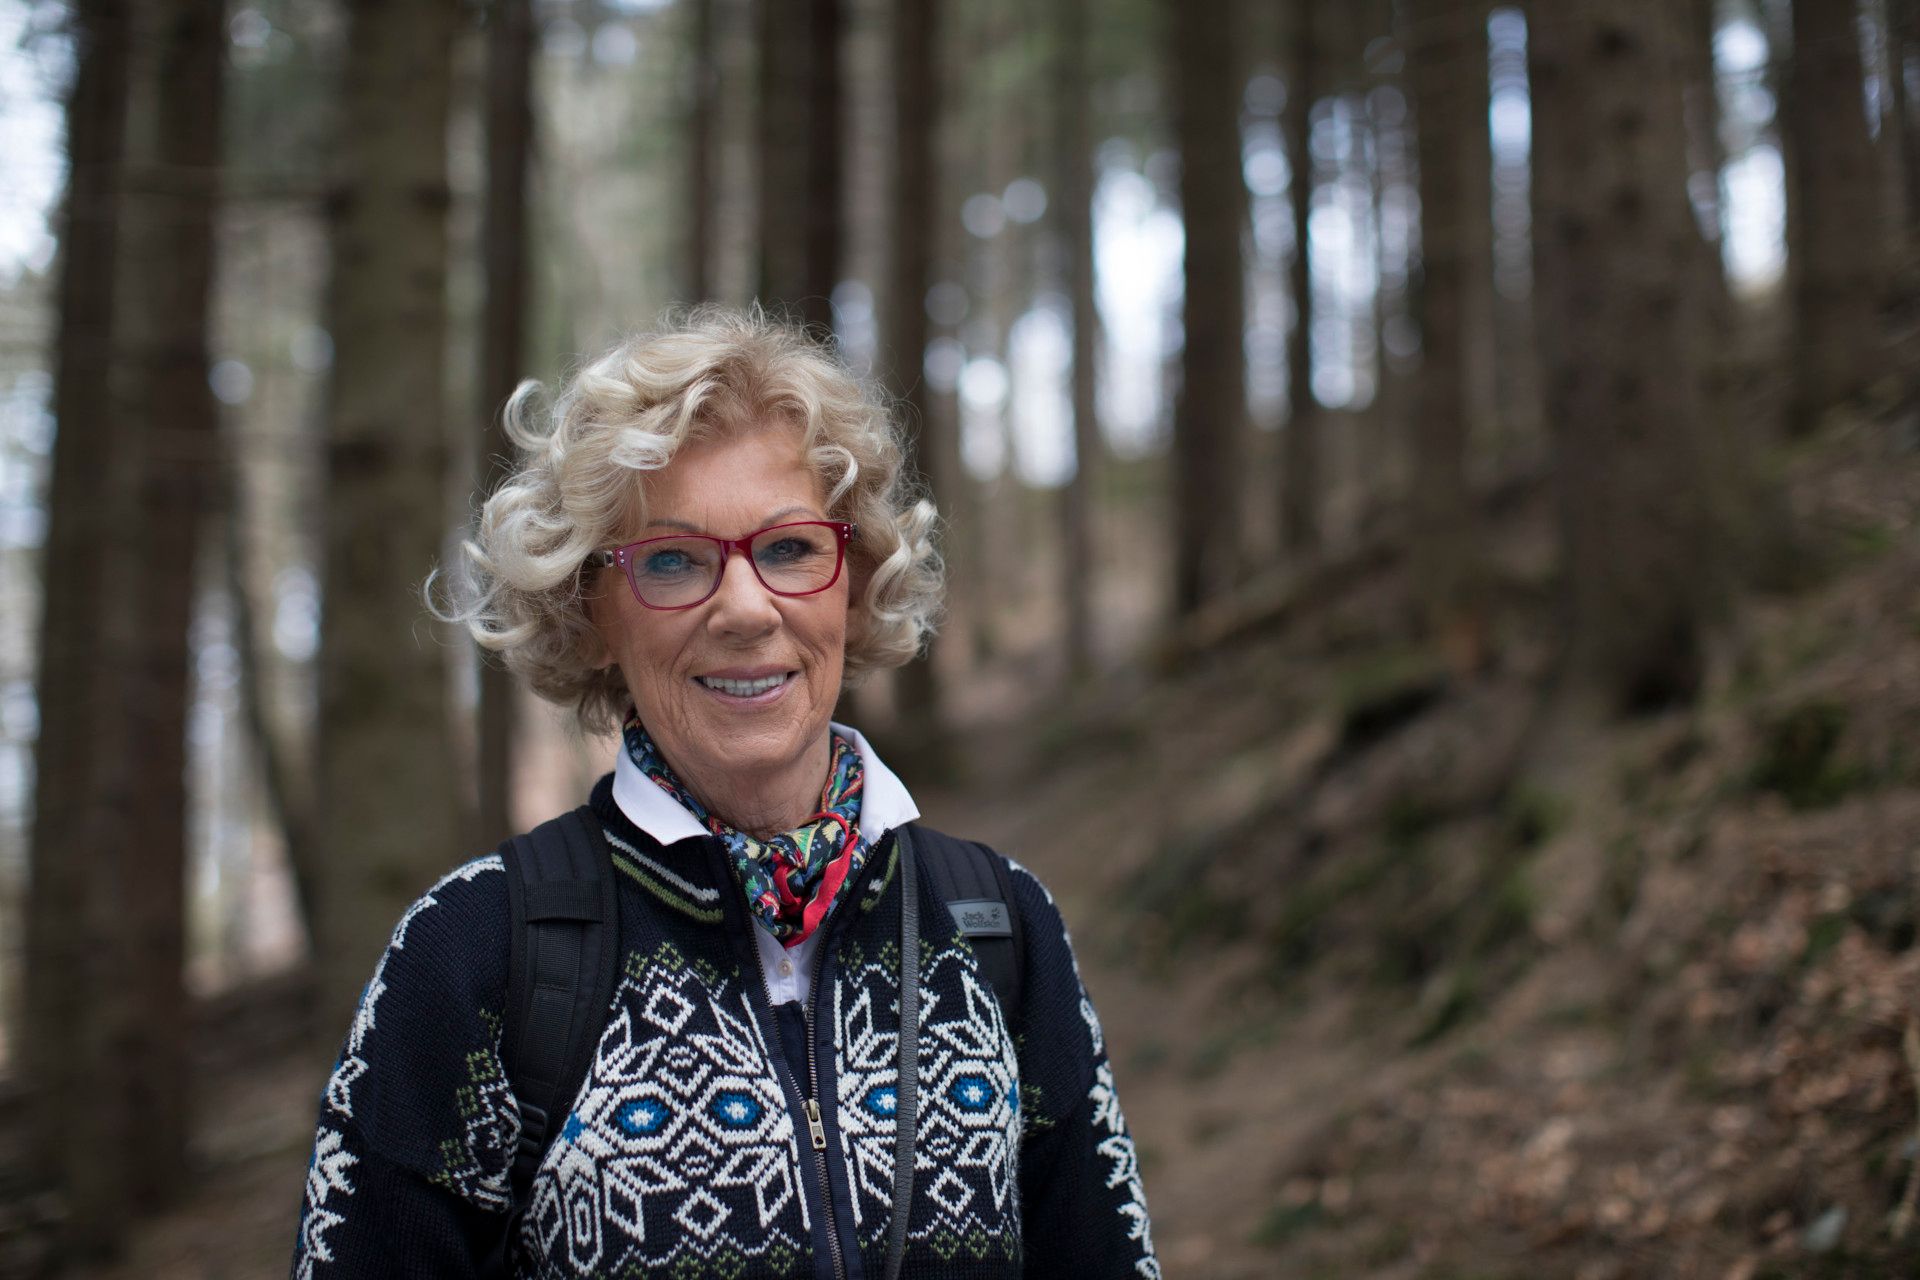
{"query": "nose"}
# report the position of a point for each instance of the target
(741, 604)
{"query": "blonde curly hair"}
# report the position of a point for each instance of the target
(518, 587)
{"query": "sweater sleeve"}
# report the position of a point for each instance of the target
(1083, 1207)
(409, 1174)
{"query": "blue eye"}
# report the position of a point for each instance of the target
(667, 564)
(786, 551)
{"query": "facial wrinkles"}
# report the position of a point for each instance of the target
(752, 764)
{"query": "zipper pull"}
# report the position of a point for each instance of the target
(814, 1127)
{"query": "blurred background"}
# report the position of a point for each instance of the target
(1429, 490)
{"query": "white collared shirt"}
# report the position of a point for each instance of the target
(884, 805)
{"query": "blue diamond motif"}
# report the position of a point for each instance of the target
(736, 1109)
(973, 1094)
(643, 1117)
(882, 1101)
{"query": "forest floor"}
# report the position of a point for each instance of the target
(1410, 975)
(1406, 974)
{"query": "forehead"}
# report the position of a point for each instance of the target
(735, 481)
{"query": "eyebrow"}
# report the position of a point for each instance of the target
(668, 522)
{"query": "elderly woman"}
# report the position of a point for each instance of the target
(712, 536)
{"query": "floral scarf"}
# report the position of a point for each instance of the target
(790, 880)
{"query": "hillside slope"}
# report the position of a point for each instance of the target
(1407, 977)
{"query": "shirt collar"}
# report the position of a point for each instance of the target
(884, 801)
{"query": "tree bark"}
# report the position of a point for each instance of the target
(503, 234)
(783, 140)
(801, 147)
(1446, 553)
(1300, 442)
(1074, 219)
(1475, 150)
(1210, 407)
(1615, 249)
(133, 464)
(1903, 45)
(388, 809)
(1836, 242)
(909, 275)
(77, 709)
(825, 150)
(702, 131)
(167, 290)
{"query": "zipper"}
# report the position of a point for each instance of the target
(816, 1126)
(816, 1129)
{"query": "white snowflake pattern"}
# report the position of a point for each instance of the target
(325, 1176)
(352, 1066)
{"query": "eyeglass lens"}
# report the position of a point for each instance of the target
(793, 560)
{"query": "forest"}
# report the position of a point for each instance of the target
(1430, 492)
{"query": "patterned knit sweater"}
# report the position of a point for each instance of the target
(689, 1151)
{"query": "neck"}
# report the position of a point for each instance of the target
(766, 803)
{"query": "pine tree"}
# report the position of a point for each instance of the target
(387, 804)
(1836, 248)
(1210, 407)
(503, 235)
(1615, 250)
(1074, 218)
(78, 1112)
(1447, 49)
(1300, 443)
(909, 275)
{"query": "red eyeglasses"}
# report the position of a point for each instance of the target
(684, 569)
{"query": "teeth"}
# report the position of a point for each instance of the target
(744, 688)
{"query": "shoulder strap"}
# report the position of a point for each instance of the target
(906, 1093)
(564, 947)
(972, 880)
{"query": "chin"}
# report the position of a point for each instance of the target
(750, 749)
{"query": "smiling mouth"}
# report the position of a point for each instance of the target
(746, 688)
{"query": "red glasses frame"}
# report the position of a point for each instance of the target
(623, 558)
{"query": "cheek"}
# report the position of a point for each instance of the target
(856, 629)
(856, 617)
(596, 641)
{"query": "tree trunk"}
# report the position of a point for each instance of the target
(1706, 158)
(1836, 244)
(1615, 250)
(783, 141)
(77, 1118)
(503, 363)
(1447, 44)
(1300, 443)
(909, 275)
(1475, 151)
(825, 149)
(1074, 219)
(1903, 45)
(166, 291)
(133, 464)
(702, 137)
(1211, 403)
(1749, 516)
(388, 806)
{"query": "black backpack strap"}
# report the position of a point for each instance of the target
(973, 881)
(564, 949)
(906, 1093)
